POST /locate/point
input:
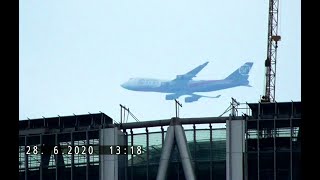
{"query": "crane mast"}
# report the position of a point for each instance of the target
(270, 62)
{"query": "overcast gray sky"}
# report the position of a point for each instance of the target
(74, 54)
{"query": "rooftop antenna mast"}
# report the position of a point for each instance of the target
(123, 111)
(234, 105)
(177, 103)
(270, 62)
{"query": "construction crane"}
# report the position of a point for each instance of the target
(270, 62)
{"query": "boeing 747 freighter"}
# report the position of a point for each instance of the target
(185, 85)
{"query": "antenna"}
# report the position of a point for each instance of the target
(124, 115)
(177, 103)
(124, 112)
(234, 104)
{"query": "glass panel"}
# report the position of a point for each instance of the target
(49, 169)
(283, 165)
(296, 165)
(266, 166)
(155, 148)
(65, 141)
(140, 140)
(203, 170)
(93, 142)
(219, 145)
(252, 166)
(203, 145)
(21, 154)
(80, 160)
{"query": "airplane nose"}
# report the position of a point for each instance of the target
(124, 85)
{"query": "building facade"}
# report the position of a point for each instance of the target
(263, 144)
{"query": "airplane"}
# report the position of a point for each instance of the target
(185, 85)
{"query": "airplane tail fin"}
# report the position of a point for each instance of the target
(242, 73)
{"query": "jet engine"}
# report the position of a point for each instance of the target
(192, 99)
(172, 96)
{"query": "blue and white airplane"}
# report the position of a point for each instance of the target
(184, 85)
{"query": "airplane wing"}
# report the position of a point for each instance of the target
(191, 74)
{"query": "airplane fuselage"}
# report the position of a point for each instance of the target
(181, 87)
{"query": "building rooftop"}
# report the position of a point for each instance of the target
(60, 122)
